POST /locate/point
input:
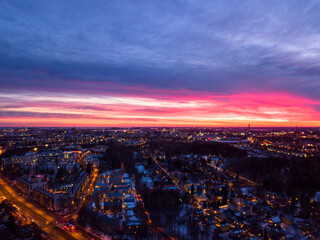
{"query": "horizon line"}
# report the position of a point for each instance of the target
(162, 127)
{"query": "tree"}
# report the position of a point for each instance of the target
(224, 193)
(75, 171)
(11, 223)
(192, 189)
(265, 235)
(89, 168)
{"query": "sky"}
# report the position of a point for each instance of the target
(159, 63)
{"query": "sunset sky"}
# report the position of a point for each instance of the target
(159, 63)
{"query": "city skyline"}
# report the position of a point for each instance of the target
(159, 64)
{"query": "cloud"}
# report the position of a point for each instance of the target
(233, 110)
(155, 53)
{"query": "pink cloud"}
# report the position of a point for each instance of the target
(182, 108)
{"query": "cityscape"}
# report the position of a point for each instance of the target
(159, 120)
(160, 183)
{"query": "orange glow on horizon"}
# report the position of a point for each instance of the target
(200, 110)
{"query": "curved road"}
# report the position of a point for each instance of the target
(46, 225)
(44, 219)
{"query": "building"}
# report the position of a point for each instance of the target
(28, 185)
(56, 200)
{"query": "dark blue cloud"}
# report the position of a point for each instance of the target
(220, 46)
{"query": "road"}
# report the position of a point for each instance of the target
(85, 196)
(233, 174)
(176, 183)
(45, 219)
(45, 223)
(80, 159)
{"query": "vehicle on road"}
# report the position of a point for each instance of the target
(69, 227)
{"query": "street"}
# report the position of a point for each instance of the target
(45, 219)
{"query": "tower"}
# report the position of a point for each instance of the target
(122, 166)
